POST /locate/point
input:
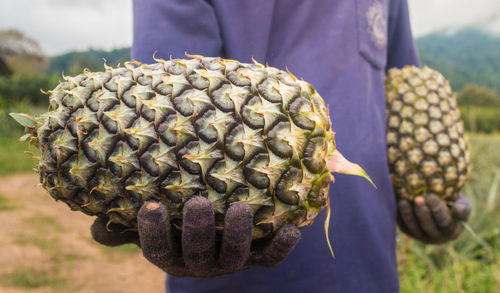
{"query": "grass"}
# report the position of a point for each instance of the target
(13, 158)
(119, 253)
(39, 232)
(5, 204)
(42, 223)
(468, 264)
(41, 241)
(30, 278)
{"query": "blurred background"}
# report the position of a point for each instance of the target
(46, 248)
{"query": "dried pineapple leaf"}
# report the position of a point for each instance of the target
(326, 225)
(24, 119)
(339, 164)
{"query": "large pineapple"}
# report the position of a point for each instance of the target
(427, 149)
(228, 131)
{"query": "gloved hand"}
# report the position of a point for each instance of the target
(430, 220)
(195, 254)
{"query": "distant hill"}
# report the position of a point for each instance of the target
(467, 56)
(74, 62)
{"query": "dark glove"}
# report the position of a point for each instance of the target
(195, 253)
(430, 220)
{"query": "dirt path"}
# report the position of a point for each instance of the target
(46, 247)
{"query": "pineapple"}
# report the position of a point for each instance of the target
(428, 151)
(225, 130)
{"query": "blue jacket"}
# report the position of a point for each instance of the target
(343, 49)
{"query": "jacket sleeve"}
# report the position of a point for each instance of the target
(401, 49)
(174, 27)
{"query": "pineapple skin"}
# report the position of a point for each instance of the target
(228, 131)
(428, 151)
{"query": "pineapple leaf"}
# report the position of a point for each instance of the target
(25, 137)
(24, 119)
(327, 226)
(339, 164)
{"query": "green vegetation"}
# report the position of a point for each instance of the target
(5, 204)
(42, 222)
(470, 59)
(37, 233)
(73, 62)
(27, 277)
(13, 158)
(466, 56)
(27, 89)
(119, 253)
(480, 108)
(13, 154)
(469, 264)
(474, 95)
(481, 119)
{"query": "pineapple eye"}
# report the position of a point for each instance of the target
(284, 188)
(300, 108)
(274, 141)
(215, 183)
(221, 98)
(252, 173)
(315, 154)
(250, 115)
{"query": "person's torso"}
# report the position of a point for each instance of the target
(340, 48)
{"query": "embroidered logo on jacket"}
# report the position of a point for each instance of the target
(377, 26)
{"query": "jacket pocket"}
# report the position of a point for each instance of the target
(372, 17)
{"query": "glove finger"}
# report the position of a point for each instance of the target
(462, 208)
(405, 212)
(402, 225)
(426, 221)
(198, 234)
(282, 244)
(237, 237)
(157, 242)
(440, 212)
(458, 229)
(455, 231)
(113, 234)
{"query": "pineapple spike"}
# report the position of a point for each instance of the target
(107, 224)
(128, 65)
(137, 62)
(64, 76)
(106, 66)
(291, 75)
(193, 56)
(229, 60)
(257, 63)
(159, 60)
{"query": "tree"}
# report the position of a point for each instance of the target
(472, 94)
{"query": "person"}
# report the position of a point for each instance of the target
(343, 48)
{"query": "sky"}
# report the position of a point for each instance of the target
(64, 25)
